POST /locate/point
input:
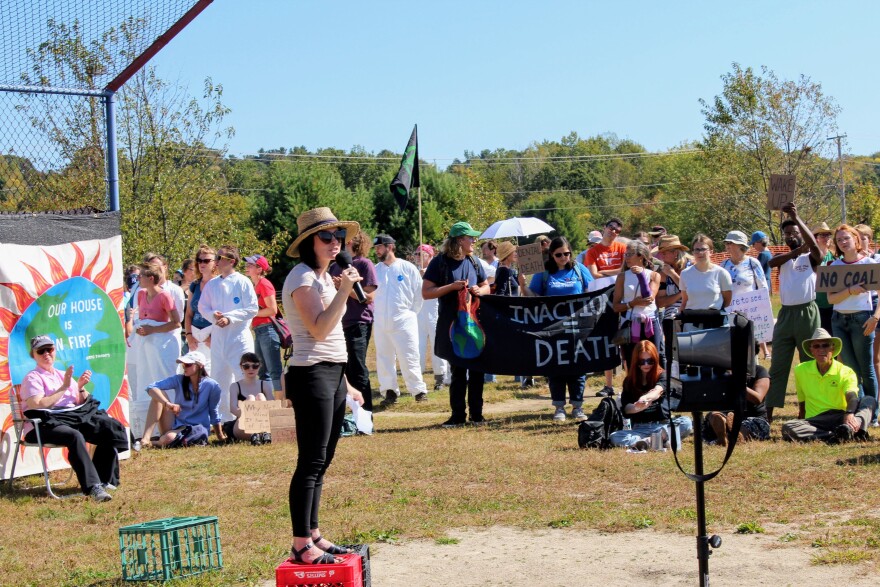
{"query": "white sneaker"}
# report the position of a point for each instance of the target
(559, 416)
(578, 414)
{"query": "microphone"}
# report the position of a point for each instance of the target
(343, 259)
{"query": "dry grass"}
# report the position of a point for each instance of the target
(414, 479)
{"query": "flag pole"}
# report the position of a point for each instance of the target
(419, 190)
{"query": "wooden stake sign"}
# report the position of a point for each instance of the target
(530, 260)
(781, 191)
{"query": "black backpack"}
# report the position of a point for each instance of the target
(605, 419)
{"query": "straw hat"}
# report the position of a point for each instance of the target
(822, 334)
(670, 242)
(311, 221)
(505, 249)
(822, 228)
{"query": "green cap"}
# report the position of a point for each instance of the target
(462, 229)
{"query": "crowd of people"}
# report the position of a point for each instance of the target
(209, 340)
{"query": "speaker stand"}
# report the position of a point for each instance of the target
(703, 540)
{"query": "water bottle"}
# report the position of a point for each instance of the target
(627, 424)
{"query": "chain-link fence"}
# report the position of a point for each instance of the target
(57, 58)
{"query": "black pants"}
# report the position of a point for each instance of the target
(318, 396)
(825, 319)
(357, 338)
(102, 468)
(466, 383)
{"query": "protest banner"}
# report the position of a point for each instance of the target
(530, 260)
(559, 335)
(755, 305)
(834, 278)
(255, 415)
(781, 192)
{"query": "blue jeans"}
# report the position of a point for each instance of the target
(267, 345)
(575, 387)
(857, 351)
(683, 425)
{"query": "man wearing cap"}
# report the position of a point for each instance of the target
(823, 235)
(828, 395)
(396, 324)
(605, 259)
(798, 317)
(453, 270)
(759, 243)
(656, 233)
(593, 238)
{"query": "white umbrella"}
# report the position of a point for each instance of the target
(516, 227)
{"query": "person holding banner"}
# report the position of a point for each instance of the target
(634, 296)
(453, 270)
(315, 380)
(746, 273)
(853, 321)
(562, 277)
(798, 317)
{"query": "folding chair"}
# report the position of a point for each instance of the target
(18, 421)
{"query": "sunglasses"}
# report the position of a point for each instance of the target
(225, 257)
(614, 227)
(327, 236)
(203, 261)
(46, 349)
(561, 255)
(821, 345)
(250, 365)
(646, 361)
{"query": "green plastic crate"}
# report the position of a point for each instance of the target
(170, 548)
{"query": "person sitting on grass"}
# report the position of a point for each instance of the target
(828, 396)
(249, 388)
(197, 403)
(755, 426)
(643, 390)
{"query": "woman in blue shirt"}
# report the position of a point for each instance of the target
(563, 276)
(196, 400)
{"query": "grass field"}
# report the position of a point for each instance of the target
(413, 479)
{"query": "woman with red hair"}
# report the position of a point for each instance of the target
(643, 402)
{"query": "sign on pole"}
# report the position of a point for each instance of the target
(834, 278)
(781, 191)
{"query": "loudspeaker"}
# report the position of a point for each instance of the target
(707, 348)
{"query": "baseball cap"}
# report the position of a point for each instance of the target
(462, 229)
(192, 357)
(758, 236)
(595, 237)
(40, 341)
(383, 239)
(258, 260)
(657, 230)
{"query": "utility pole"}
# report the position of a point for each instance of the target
(842, 183)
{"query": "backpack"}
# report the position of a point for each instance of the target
(605, 419)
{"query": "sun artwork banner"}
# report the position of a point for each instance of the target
(562, 336)
(73, 293)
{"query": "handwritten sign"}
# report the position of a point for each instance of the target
(255, 415)
(781, 191)
(530, 259)
(834, 278)
(755, 305)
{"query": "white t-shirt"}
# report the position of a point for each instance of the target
(797, 281)
(746, 276)
(632, 290)
(306, 349)
(860, 302)
(703, 288)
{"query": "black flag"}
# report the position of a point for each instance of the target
(408, 176)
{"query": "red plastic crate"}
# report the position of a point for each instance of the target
(348, 573)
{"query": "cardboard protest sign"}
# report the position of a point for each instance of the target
(781, 191)
(255, 416)
(530, 259)
(834, 278)
(755, 305)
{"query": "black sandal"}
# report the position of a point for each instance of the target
(324, 559)
(333, 549)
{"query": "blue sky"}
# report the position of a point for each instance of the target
(488, 74)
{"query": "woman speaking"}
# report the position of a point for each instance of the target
(315, 380)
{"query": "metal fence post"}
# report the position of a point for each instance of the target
(112, 162)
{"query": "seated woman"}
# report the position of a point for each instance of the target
(70, 417)
(643, 389)
(247, 389)
(197, 401)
